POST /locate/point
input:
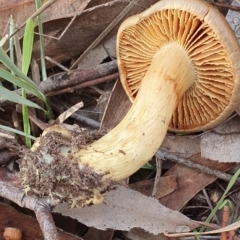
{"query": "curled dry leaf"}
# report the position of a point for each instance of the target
(230, 227)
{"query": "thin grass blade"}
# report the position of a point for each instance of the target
(11, 96)
(27, 45)
(18, 82)
(16, 131)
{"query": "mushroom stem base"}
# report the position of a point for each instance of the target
(136, 139)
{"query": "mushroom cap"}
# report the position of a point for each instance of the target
(211, 46)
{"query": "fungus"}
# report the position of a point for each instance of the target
(179, 64)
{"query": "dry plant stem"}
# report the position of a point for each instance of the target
(224, 5)
(35, 14)
(41, 208)
(136, 139)
(210, 205)
(225, 218)
(157, 177)
(86, 84)
(77, 116)
(56, 63)
(172, 157)
(47, 224)
(72, 78)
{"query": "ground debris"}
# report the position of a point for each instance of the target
(50, 171)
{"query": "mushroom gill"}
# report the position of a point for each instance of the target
(211, 93)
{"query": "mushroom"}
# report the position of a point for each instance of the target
(179, 64)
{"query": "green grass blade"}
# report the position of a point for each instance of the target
(27, 45)
(13, 97)
(16, 131)
(11, 66)
(26, 60)
(220, 202)
(11, 43)
(18, 82)
(26, 122)
(38, 4)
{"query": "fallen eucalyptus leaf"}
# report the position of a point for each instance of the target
(125, 209)
(225, 142)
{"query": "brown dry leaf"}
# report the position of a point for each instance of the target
(23, 9)
(166, 185)
(225, 142)
(83, 31)
(29, 226)
(190, 181)
(125, 209)
(117, 107)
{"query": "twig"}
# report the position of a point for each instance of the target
(85, 84)
(51, 60)
(210, 205)
(76, 115)
(224, 5)
(71, 79)
(46, 222)
(172, 157)
(39, 206)
(225, 218)
(157, 176)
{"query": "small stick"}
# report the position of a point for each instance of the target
(39, 206)
(76, 115)
(224, 5)
(225, 218)
(74, 78)
(172, 157)
(157, 177)
(51, 60)
(85, 84)
(210, 205)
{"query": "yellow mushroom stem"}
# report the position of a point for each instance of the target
(136, 139)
